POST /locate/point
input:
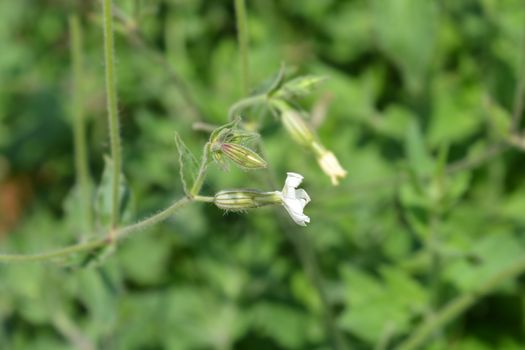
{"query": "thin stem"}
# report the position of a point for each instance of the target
(152, 220)
(206, 127)
(59, 253)
(245, 103)
(517, 112)
(100, 242)
(458, 306)
(111, 98)
(197, 185)
(205, 199)
(242, 37)
(71, 332)
(83, 178)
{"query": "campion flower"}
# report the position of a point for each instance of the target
(295, 199)
(292, 198)
(301, 132)
(329, 163)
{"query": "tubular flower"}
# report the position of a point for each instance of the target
(293, 199)
(329, 164)
(302, 133)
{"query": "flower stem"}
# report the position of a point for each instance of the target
(205, 199)
(245, 103)
(79, 129)
(111, 99)
(242, 37)
(197, 185)
(152, 220)
(457, 306)
(100, 242)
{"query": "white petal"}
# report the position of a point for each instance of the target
(294, 207)
(302, 195)
(293, 180)
(294, 200)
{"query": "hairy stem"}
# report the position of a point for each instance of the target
(242, 37)
(245, 103)
(197, 185)
(111, 99)
(83, 178)
(458, 306)
(100, 242)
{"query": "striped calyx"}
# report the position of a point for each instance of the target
(240, 200)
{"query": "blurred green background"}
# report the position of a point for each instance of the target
(418, 106)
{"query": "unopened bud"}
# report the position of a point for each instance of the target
(242, 136)
(239, 200)
(297, 127)
(242, 156)
(300, 86)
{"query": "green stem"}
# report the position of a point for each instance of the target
(152, 220)
(83, 178)
(111, 98)
(245, 103)
(457, 306)
(197, 185)
(205, 199)
(97, 243)
(59, 253)
(242, 36)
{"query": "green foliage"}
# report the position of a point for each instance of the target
(417, 105)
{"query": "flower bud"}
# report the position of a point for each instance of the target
(299, 87)
(242, 136)
(242, 156)
(239, 200)
(297, 127)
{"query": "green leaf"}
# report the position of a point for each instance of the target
(493, 253)
(406, 31)
(420, 161)
(290, 327)
(188, 165)
(376, 306)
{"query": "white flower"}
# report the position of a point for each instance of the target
(331, 167)
(294, 199)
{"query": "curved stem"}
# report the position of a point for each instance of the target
(242, 37)
(459, 305)
(152, 220)
(97, 243)
(111, 99)
(59, 253)
(245, 103)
